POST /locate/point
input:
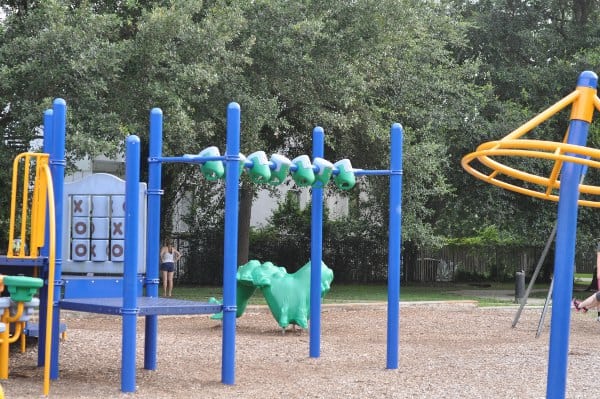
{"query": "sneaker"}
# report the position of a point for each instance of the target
(578, 307)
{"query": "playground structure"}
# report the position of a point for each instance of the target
(563, 185)
(33, 246)
(126, 300)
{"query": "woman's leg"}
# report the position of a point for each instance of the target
(170, 283)
(164, 281)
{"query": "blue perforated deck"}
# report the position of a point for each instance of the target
(146, 306)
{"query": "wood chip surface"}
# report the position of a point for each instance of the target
(447, 350)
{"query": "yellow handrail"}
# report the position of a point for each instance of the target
(51, 267)
(36, 216)
(41, 197)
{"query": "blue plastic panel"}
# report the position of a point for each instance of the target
(95, 287)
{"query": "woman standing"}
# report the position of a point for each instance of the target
(168, 256)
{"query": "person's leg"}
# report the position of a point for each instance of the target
(591, 301)
(170, 283)
(164, 281)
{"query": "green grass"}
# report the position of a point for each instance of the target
(414, 292)
(339, 293)
(346, 293)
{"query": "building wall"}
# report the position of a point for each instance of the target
(262, 207)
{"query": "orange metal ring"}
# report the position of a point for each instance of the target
(554, 151)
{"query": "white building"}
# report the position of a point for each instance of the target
(262, 207)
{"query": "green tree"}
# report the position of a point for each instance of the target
(530, 54)
(112, 65)
(352, 67)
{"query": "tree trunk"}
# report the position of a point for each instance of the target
(246, 197)
(581, 11)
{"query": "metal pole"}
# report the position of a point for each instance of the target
(395, 244)
(57, 167)
(43, 315)
(581, 117)
(316, 250)
(538, 267)
(153, 234)
(232, 159)
(544, 310)
(130, 310)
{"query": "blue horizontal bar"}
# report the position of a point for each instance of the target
(185, 159)
(363, 172)
(248, 164)
(30, 262)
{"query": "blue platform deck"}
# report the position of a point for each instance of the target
(21, 262)
(146, 306)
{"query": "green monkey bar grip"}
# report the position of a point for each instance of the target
(304, 175)
(345, 178)
(22, 288)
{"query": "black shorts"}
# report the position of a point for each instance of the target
(167, 267)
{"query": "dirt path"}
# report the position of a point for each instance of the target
(446, 351)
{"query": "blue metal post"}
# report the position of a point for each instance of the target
(48, 149)
(129, 310)
(565, 240)
(316, 250)
(153, 235)
(57, 168)
(395, 243)
(232, 159)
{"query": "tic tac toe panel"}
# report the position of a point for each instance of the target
(94, 225)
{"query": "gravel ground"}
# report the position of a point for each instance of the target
(447, 350)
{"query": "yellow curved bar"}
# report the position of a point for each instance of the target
(5, 339)
(43, 194)
(11, 319)
(503, 148)
(557, 167)
(17, 333)
(51, 271)
(584, 100)
(557, 152)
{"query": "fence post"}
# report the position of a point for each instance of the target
(519, 286)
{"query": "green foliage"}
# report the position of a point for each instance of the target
(455, 73)
(489, 235)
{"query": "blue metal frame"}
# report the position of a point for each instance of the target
(232, 158)
(57, 169)
(153, 234)
(564, 261)
(394, 246)
(316, 250)
(130, 306)
(130, 309)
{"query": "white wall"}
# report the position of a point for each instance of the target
(262, 208)
(266, 203)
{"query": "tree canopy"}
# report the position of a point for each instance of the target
(454, 73)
